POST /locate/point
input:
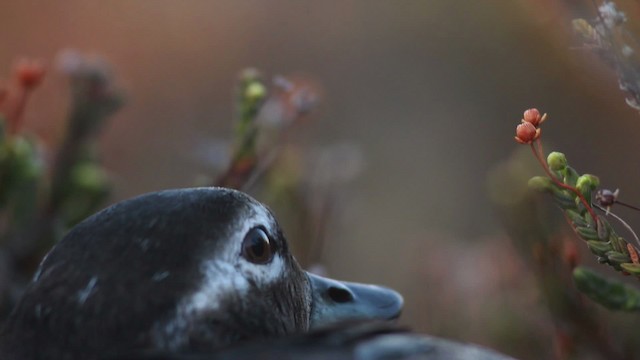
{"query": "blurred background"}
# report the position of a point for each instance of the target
(417, 103)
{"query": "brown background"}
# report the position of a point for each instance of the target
(430, 91)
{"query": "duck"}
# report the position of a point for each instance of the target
(190, 273)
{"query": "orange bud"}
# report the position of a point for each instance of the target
(633, 254)
(570, 253)
(532, 116)
(29, 73)
(526, 133)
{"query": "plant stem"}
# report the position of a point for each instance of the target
(539, 155)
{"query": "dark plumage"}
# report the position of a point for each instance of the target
(201, 274)
(176, 271)
(354, 340)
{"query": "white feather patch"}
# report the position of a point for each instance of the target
(226, 274)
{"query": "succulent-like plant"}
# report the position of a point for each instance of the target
(577, 197)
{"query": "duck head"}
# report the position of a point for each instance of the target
(177, 270)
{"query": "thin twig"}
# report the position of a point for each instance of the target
(627, 226)
(627, 205)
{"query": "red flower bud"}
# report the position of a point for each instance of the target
(29, 73)
(570, 253)
(526, 133)
(533, 116)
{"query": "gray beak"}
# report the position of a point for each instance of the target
(335, 301)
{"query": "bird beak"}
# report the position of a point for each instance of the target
(335, 301)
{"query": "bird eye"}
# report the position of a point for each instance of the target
(257, 247)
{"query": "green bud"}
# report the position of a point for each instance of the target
(540, 183)
(21, 170)
(586, 184)
(611, 294)
(89, 177)
(557, 161)
(250, 96)
(21, 147)
(86, 190)
(25, 164)
(255, 91)
(593, 180)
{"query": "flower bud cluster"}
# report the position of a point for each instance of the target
(573, 192)
(528, 130)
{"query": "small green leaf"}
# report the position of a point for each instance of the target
(570, 176)
(576, 218)
(563, 198)
(608, 293)
(633, 269)
(599, 247)
(587, 233)
(617, 258)
(603, 229)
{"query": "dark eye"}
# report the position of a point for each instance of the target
(256, 246)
